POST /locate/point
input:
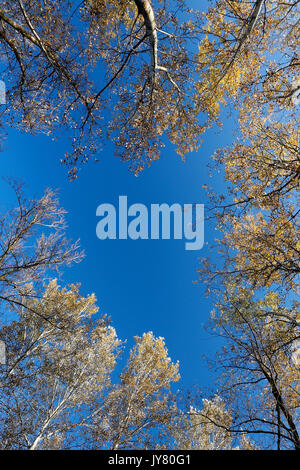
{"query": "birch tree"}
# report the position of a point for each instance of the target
(54, 370)
(32, 245)
(56, 387)
(258, 216)
(136, 47)
(205, 428)
(260, 372)
(141, 72)
(140, 407)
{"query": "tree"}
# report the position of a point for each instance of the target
(166, 69)
(260, 375)
(53, 53)
(249, 59)
(32, 245)
(204, 429)
(139, 408)
(53, 370)
(56, 389)
(259, 216)
(236, 57)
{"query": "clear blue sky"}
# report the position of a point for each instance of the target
(145, 284)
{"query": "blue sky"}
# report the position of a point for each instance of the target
(144, 284)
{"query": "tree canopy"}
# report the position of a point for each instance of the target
(141, 72)
(144, 73)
